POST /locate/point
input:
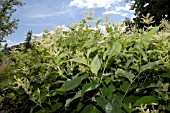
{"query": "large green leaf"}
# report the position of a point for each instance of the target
(149, 100)
(107, 90)
(124, 87)
(88, 87)
(95, 65)
(79, 60)
(147, 38)
(165, 75)
(116, 47)
(61, 56)
(102, 102)
(88, 43)
(168, 107)
(89, 51)
(79, 106)
(90, 109)
(42, 97)
(150, 65)
(126, 74)
(116, 104)
(56, 106)
(68, 101)
(69, 85)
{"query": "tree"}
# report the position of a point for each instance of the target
(8, 24)
(158, 8)
(28, 40)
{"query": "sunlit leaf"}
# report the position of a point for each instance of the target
(62, 55)
(68, 101)
(79, 60)
(95, 65)
(69, 85)
(89, 51)
(116, 47)
(88, 43)
(42, 97)
(126, 74)
(150, 65)
(88, 87)
(149, 35)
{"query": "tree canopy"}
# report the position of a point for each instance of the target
(158, 8)
(7, 23)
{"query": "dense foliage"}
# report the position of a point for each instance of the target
(157, 8)
(7, 23)
(88, 71)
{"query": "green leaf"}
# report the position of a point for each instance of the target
(108, 80)
(80, 105)
(55, 92)
(126, 107)
(56, 106)
(88, 43)
(147, 38)
(79, 60)
(116, 104)
(95, 65)
(165, 75)
(124, 87)
(38, 65)
(103, 90)
(68, 101)
(130, 99)
(88, 87)
(90, 51)
(126, 74)
(110, 90)
(150, 65)
(42, 97)
(116, 47)
(69, 85)
(149, 100)
(168, 108)
(102, 102)
(90, 109)
(129, 61)
(61, 56)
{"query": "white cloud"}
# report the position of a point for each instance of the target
(111, 12)
(10, 43)
(94, 3)
(124, 8)
(116, 13)
(121, 10)
(124, 14)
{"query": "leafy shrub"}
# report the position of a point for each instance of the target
(88, 71)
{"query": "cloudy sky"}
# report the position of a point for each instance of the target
(37, 15)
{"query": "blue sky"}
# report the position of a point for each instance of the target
(37, 15)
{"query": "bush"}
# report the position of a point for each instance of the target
(88, 71)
